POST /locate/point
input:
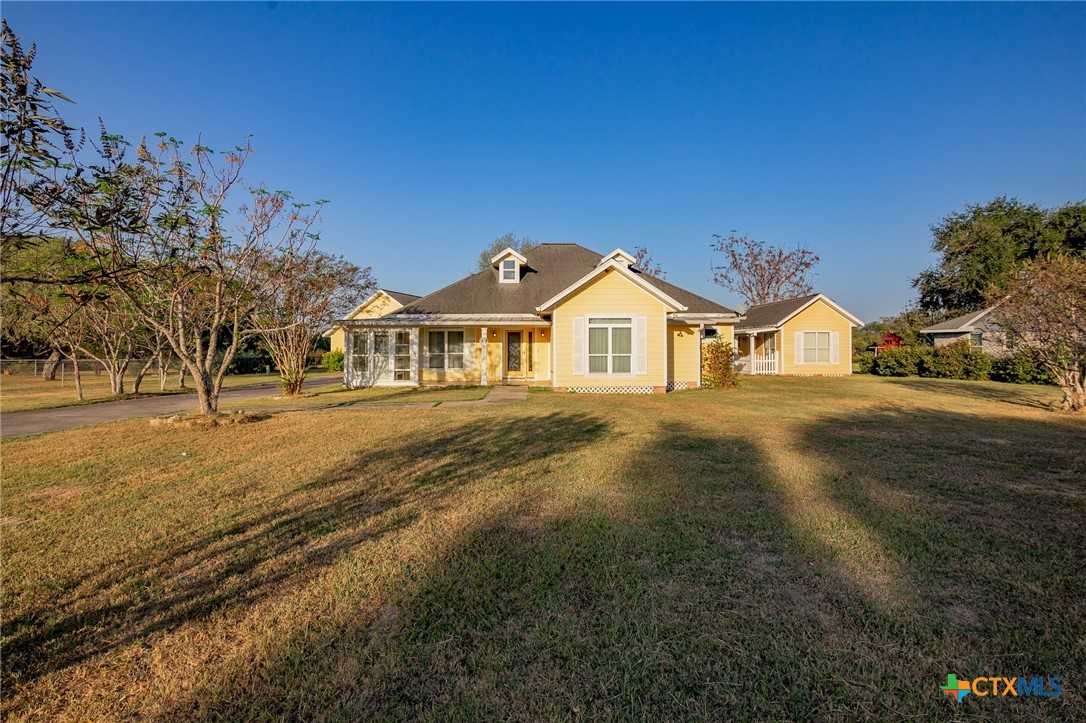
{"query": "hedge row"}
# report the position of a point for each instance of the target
(955, 361)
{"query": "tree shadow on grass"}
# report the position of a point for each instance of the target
(1025, 395)
(703, 577)
(984, 516)
(281, 544)
(676, 585)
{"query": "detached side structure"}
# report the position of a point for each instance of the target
(978, 328)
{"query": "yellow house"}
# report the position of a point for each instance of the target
(381, 303)
(811, 335)
(560, 316)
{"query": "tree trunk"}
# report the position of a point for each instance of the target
(205, 391)
(140, 374)
(181, 377)
(49, 371)
(163, 359)
(78, 378)
(291, 381)
(1074, 400)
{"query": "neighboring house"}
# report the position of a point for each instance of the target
(560, 316)
(978, 328)
(805, 336)
(381, 303)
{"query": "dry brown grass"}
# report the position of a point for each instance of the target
(804, 549)
(20, 393)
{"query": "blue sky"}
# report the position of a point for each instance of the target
(434, 129)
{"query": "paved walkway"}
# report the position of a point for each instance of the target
(498, 395)
(19, 424)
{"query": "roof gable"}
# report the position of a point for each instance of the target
(959, 323)
(606, 268)
(776, 313)
(509, 251)
(551, 270)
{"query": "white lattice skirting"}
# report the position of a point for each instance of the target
(672, 386)
(610, 390)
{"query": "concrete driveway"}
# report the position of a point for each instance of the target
(20, 424)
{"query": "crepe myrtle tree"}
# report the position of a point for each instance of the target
(183, 237)
(1042, 308)
(646, 264)
(761, 272)
(302, 291)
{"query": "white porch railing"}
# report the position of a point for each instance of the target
(764, 363)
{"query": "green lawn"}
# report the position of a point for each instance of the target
(20, 393)
(804, 549)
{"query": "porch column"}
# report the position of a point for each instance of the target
(482, 374)
(413, 341)
(752, 338)
(348, 345)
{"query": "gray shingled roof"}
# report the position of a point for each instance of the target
(772, 314)
(958, 323)
(401, 297)
(551, 268)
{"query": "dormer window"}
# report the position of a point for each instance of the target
(509, 270)
(509, 263)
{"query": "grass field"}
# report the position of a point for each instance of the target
(20, 393)
(805, 549)
(334, 395)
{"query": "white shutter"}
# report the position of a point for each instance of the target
(799, 348)
(640, 346)
(469, 349)
(578, 345)
(835, 347)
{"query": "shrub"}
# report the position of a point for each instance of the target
(251, 364)
(865, 362)
(332, 361)
(1021, 368)
(717, 369)
(955, 361)
(899, 361)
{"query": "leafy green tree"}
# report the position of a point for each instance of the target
(521, 244)
(35, 138)
(981, 247)
(1043, 309)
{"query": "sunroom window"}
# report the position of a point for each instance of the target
(610, 345)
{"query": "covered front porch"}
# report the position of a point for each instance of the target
(758, 351)
(447, 351)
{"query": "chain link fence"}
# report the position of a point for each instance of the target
(66, 367)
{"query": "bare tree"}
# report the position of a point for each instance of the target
(163, 230)
(110, 329)
(1043, 308)
(646, 264)
(303, 291)
(762, 273)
